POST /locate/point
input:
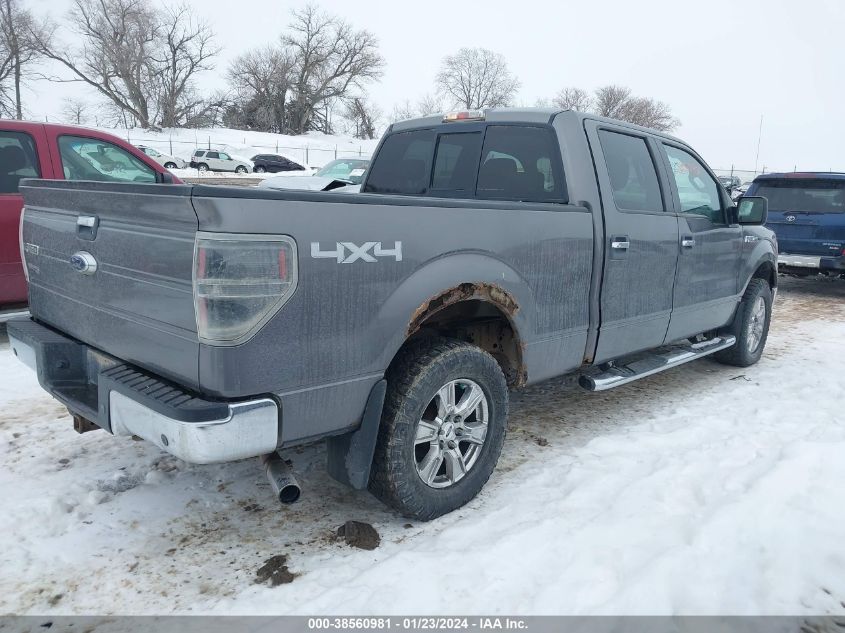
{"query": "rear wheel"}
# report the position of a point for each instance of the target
(442, 428)
(750, 326)
(202, 167)
(170, 165)
(240, 169)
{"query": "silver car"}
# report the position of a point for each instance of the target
(215, 160)
(165, 160)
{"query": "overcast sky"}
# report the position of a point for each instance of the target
(719, 64)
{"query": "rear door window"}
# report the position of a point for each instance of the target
(404, 164)
(95, 159)
(456, 163)
(633, 177)
(517, 164)
(18, 160)
(812, 196)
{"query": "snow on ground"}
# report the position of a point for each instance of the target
(704, 490)
(312, 149)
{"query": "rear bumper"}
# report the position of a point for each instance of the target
(126, 401)
(13, 313)
(812, 262)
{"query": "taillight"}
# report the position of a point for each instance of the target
(240, 281)
(21, 245)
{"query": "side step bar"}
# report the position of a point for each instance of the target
(617, 375)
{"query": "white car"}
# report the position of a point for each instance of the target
(215, 160)
(341, 173)
(165, 160)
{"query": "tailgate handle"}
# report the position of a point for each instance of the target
(86, 226)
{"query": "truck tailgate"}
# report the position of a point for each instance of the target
(137, 304)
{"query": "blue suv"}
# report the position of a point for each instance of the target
(807, 213)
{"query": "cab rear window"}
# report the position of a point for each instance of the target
(493, 162)
(814, 196)
(18, 160)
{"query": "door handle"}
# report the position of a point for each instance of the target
(86, 226)
(687, 242)
(620, 243)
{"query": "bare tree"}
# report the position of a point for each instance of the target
(610, 100)
(573, 99)
(363, 118)
(403, 112)
(261, 81)
(330, 59)
(476, 78)
(186, 48)
(18, 28)
(648, 113)
(295, 86)
(140, 58)
(75, 111)
(429, 104)
(426, 106)
(618, 102)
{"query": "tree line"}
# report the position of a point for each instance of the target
(145, 63)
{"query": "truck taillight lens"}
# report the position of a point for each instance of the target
(21, 245)
(240, 281)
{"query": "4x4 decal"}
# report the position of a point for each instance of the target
(367, 252)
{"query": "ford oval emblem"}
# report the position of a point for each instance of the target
(790, 218)
(83, 262)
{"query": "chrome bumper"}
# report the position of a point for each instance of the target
(251, 429)
(801, 261)
(125, 401)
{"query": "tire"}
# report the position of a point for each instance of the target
(409, 443)
(240, 169)
(202, 167)
(260, 170)
(750, 333)
(170, 165)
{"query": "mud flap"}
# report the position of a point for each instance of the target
(350, 456)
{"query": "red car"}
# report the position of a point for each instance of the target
(43, 150)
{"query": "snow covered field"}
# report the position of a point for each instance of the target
(704, 490)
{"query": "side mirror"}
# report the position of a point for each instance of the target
(752, 210)
(165, 178)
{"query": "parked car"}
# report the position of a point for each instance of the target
(273, 163)
(214, 160)
(40, 150)
(165, 160)
(808, 217)
(393, 321)
(334, 175)
(730, 182)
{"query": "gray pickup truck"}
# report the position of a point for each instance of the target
(485, 251)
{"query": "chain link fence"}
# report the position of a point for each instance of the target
(307, 155)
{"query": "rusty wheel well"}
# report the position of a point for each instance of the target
(768, 272)
(480, 314)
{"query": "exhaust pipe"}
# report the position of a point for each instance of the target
(281, 477)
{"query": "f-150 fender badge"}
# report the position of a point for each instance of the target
(83, 262)
(348, 253)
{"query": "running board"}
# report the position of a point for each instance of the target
(617, 375)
